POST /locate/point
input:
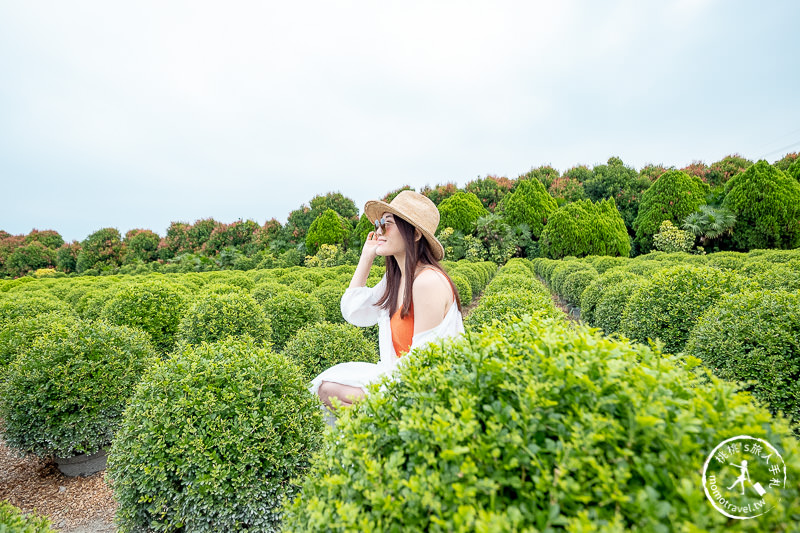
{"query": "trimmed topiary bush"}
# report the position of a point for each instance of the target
(265, 290)
(214, 439)
(755, 336)
(503, 306)
(726, 260)
(329, 295)
(536, 426)
(672, 300)
(460, 212)
(463, 287)
(327, 228)
(574, 285)
(13, 520)
(506, 282)
(560, 273)
(64, 395)
(321, 345)
(530, 204)
(19, 334)
(214, 317)
(611, 305)
(154, 306)
(585, 228)
(288, 312)
(766, 203)
(673, 196)
(595, 291)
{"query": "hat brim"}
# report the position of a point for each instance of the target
(375, 208)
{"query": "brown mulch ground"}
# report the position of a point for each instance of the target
(73, 504)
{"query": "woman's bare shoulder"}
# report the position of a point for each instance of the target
(432, 284)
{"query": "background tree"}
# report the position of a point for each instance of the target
(49, 238)
(546, 174)
(29, 257)
(328, 228)
(529, 203)
(490, 190)
(102, 249)
(672, 197)
(697, 169)
(585, 228)
(440, 192)
(726, 168)
(786, 161)
(200, 232)
(235, 235)
(622, 183)
(794, 170)
(766, 203)
(566, 189)
(580, 173)
(338, 202)
(177, 240)
(652, 172)
(141, 245)
(67, 257)
(391, 194)
(460, 212)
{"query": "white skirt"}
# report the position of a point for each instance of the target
(354, 374)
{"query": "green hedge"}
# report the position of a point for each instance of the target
(585, 228)
(15, 306)
(289, 311)
(574, 285)
(18, 335)
(504, 306)
(536, 427)
(595, 291)
(755, 336)
(214, 439)
(609, 310)
(13, 520)
(65, 394)
(321, 345)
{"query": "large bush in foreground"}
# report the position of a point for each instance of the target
(213, 440)
(755, 336)
(65, 394)
(289, 311)
(536, 427)
(13, 520)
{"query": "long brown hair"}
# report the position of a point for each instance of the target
(417, 251)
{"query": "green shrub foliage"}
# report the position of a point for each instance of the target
(18, 335)
(574, 285)
(755, 336)
(672, 300)
(620, 182)
(559, 274)
(327, 228)
(141, 245)
(15, 306)
(529, 203)
(330, 297)
(463, 287)
(154, 306)
(30, 257)
(670, 239)
(585, 228)
(65, 394)
(596, 290)
(102, 249)
(504, 306)
(460, 212)
(321, 345)
(288, 312)
(766, 203)
(535, 427)
(213, 440)
(612, 303)
(214, 317)
(13, 520)
(672, 197)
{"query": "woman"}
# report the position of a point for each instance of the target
(414, 303)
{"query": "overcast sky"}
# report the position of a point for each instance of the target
(136, 114)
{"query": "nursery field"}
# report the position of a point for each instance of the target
(196, 385)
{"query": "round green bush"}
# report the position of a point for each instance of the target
(289, 311)
(214, 439)
(593, 292)
(303, 285)
(214, 317)
(536, 426)
(777, 277)
(92, 302)
(328, 228)
(264, 290)
(13, 520)
(726, 260)
(330, 297)
(463, 287)
(23, 306)
(474, 278)
(460, 212)
(669, 304)
(154, 306)
(65, 394)
(505, 282)
(574, 285)
(510, 304)
(321, 345)
(585, 228)
(222, 287)
(612, 303)
(240, 279)
(754, 336)
(605, 262)
(560, 273)
(19, 334)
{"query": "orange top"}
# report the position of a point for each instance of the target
(402, 330)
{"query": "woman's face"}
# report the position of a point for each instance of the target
(390, 242)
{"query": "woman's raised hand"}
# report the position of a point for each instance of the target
(370, 246)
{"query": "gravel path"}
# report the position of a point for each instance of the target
(73, 505)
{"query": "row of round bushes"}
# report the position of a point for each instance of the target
(742, 320)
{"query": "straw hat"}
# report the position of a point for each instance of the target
(414, 208)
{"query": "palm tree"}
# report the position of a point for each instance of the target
(709, 223)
